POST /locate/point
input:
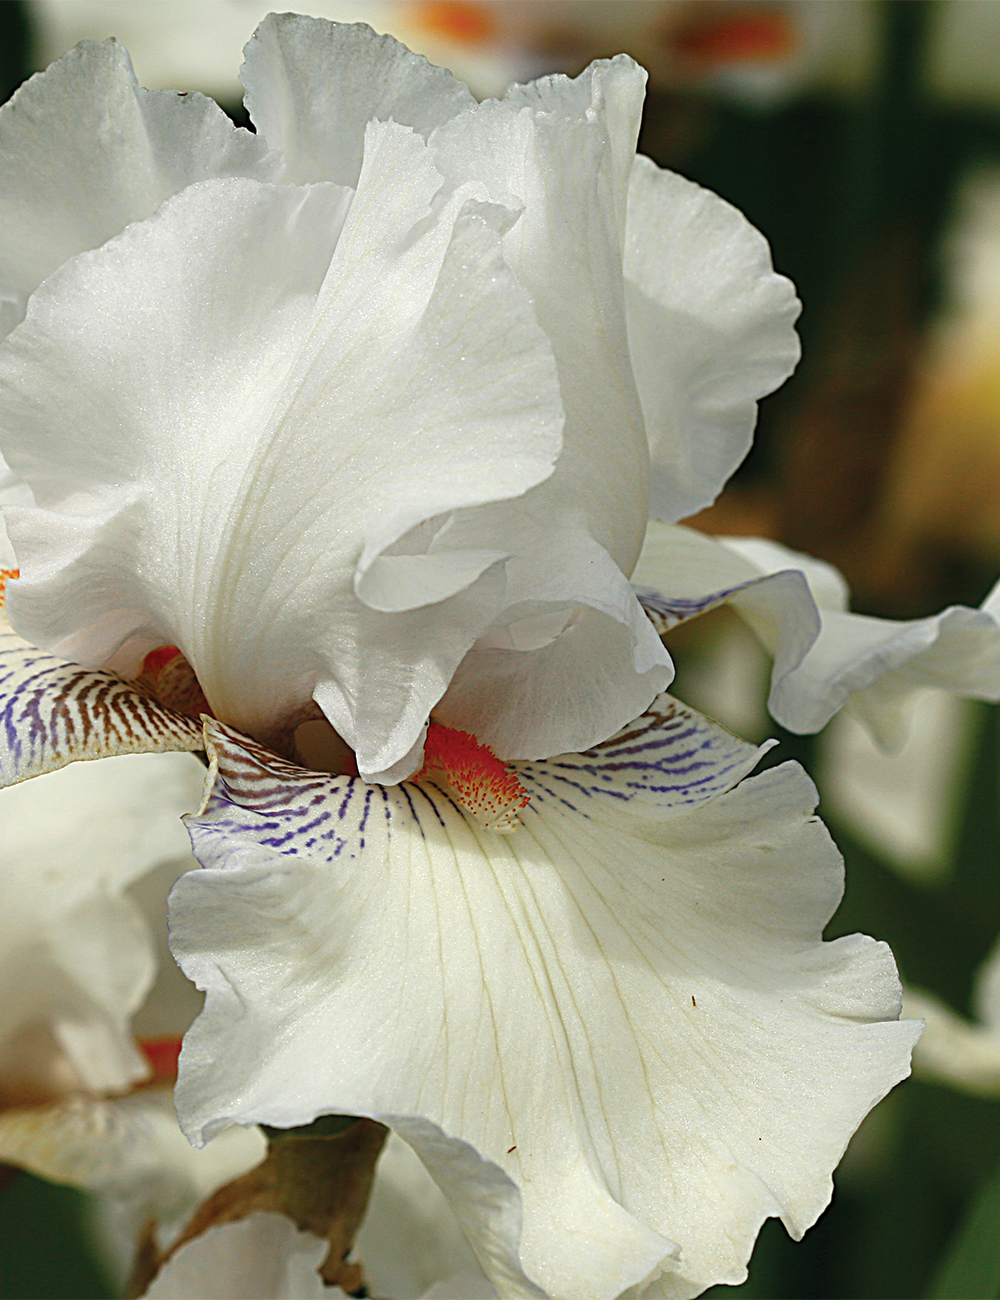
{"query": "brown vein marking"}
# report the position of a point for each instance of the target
(168, 677)
(662, 711)
(53, 713)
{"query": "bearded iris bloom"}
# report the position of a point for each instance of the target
(359, 421)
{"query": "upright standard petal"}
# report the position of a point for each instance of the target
(569, 658)
(278, 385)
(555, 148)
(84, 151)
(699, 1058)
(312, 87)
(76, 958)
(711, 330)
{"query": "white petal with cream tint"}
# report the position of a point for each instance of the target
(613, 1035)
(876, 665)
(130, 1149)
(232, 508)
(682, 573)
(76, 958)
(961, 1053)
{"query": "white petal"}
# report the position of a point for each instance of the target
(682, 573)
(261, 1257)
(75, 955)
(879, 665)
(409, 1246)
(568, 658)
(129, 1148)
(571, 659)
(410, 1243)
(901, 803)
(953, 1050)
(710, 329)
(11, 493)
(698, 1057)
(260, 429)
(313, 86)
(827, 584)
(84, 151)
(558, 147)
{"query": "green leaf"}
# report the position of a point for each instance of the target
(971, 1269)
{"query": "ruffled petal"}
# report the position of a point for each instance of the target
(76, 958)
(84, 151)
(313, 86)
(698, 1057)
(571, 658)
(711, 330)
(825, 657)
(877, 665)
(129, 1148)
(682, 573)
(560, 148)
(265, 430)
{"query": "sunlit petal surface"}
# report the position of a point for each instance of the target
(84, 151)
(248, 505)
(613, 1035)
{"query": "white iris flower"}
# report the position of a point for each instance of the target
(361, 418)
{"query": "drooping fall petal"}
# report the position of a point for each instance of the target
(698, 1057)
(53, 712)
(825, 656)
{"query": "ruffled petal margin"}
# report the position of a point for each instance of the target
(825, 656)
(615, 1037)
